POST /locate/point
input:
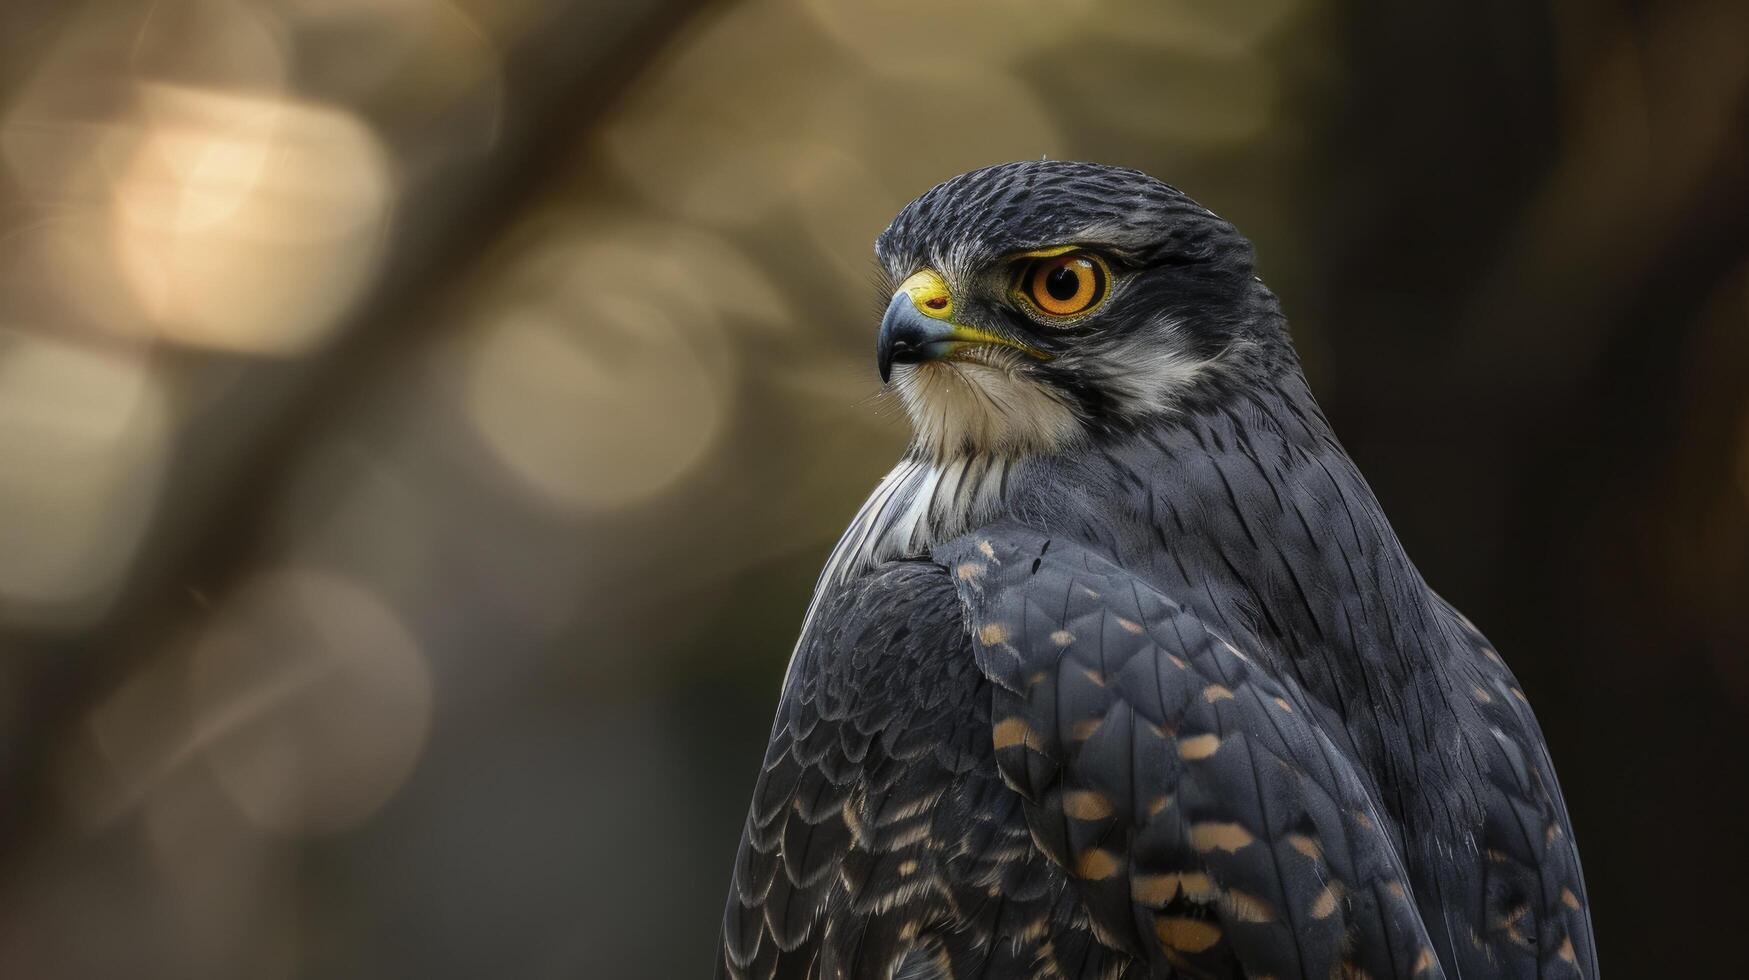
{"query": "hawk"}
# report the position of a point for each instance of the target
(1121, 672)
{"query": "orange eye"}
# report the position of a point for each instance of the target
(1064, 285)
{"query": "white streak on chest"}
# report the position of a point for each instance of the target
(916, 506)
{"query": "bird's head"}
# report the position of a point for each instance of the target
(1035, 305)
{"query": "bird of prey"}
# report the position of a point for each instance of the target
(1121, 672)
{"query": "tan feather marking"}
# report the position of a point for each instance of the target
(1083, 730)
(1424, 961)
(985, 549)
(1324, 905)
(1157, 890)
(1249, 908)
(991, 634)
(1566, 951)
(906, 867)
(1186, 935)
(1130, 625)
(857, 831)
(967, 571)
(1062, 638)
(1178, 662)
(1396, 890)
(1158, 804)
(1216, 692)
(1306, 845)
(1223, 836)
(1510, 925)
(1085, 804)
(1095, 676)
(1010, 732)
(1198, 746)
(1096, 864)
(1569, 899)
(1520, 695)
(913, 834)
(1283, 705)
(915, 806)
(1482, 694)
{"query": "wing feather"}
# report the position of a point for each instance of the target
(1207, 820)
(838, 872)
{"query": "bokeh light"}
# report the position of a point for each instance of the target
(86, 434)
(247, 224)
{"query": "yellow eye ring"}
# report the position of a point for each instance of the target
(1063, 286)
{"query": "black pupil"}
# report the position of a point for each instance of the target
(1063, 283)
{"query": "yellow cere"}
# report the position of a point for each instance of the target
(929, 292)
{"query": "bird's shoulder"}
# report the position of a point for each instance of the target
(1209, 822)
(897, 623)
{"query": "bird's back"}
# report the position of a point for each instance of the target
(1250, 514)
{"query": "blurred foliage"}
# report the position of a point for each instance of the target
(421, 421)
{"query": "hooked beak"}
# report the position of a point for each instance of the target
(917, 327)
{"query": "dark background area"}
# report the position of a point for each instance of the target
(421, 422)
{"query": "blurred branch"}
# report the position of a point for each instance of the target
(237, 451)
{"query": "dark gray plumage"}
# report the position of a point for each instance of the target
(1130, 677)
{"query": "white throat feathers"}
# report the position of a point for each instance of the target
(979, 404)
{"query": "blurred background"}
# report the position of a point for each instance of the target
(421, 422)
